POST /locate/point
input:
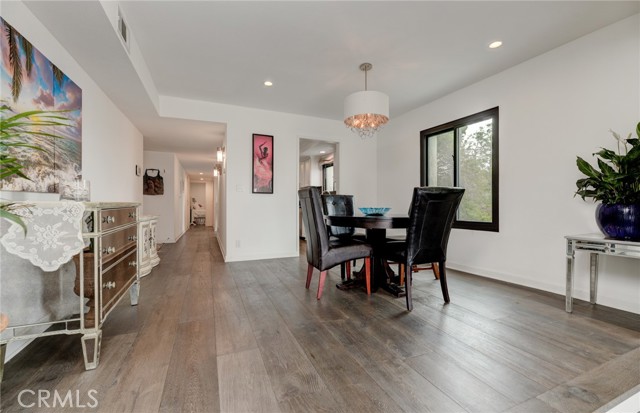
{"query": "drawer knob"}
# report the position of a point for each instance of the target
(133, 238)
(109, 250)
(109, 285)
(132, 263)
(108, 219)
(132, 215)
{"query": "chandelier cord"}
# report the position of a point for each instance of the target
(365, 79)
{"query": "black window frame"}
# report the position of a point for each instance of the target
(324, 175)
(453, 126)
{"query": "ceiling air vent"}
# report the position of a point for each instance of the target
(123, 30)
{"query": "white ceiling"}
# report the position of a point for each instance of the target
(223, 52)
(311, 147)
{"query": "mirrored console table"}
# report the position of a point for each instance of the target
(102, 240)
(596, 244)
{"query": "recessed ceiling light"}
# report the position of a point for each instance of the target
(201, 173)
(495, 44)
(323, 151)
(202, 179)
(268, 83)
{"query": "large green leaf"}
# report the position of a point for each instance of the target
(4, 213)
(606, 170)
(586, 168)
(607, 154)
(633, 156)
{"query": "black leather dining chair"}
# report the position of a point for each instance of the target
(341, 205)
(322, 253)
(431, 216)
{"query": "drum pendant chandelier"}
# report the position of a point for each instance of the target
(367, 111)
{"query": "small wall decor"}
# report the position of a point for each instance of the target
(31, 82)
(152, 184)
(262, 165)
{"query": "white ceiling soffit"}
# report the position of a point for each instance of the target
(223, 51)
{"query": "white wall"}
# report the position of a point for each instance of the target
(108, 137)
(265, 226)
(198, 192)
(552, 108)
(216, 203)
(221, 230)
(181, 203)
(315, 171)
(162, 205)
(210, 203)
(304, 173)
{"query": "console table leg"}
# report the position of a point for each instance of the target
(593, 281)
(134, 292)
(3, 351)
(91, 349)
(569, 270)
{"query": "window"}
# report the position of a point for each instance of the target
(464, 153)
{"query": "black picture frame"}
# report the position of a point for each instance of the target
(262, 164)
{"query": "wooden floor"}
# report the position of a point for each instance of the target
(243, 337)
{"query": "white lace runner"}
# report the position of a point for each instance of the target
(54, 233)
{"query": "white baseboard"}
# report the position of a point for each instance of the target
(253, 257)
(556, 288)
(221, 246)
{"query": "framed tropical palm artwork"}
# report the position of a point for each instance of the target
(31, 83)
(262, 165)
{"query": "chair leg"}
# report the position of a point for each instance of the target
(436, 271)
(443, 282)
(348, 265)
(401, 272)
(407, 286)
(323, 276)
(343, 270)
(309, 274)
(367, 272)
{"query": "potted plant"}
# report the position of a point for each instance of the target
(15, 129)
(615, 182)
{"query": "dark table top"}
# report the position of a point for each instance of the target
(369, 221)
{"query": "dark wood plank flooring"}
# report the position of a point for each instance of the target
(248, 337)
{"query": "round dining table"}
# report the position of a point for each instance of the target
(376, 229)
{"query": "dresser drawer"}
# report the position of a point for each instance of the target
(115, 243)
(117, 279)
(112, 218)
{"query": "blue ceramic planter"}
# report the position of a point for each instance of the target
(619, 221)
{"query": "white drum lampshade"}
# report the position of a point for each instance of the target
(365, 112)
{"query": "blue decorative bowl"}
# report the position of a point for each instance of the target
(374, 211)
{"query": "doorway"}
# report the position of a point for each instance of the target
(318, 166)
